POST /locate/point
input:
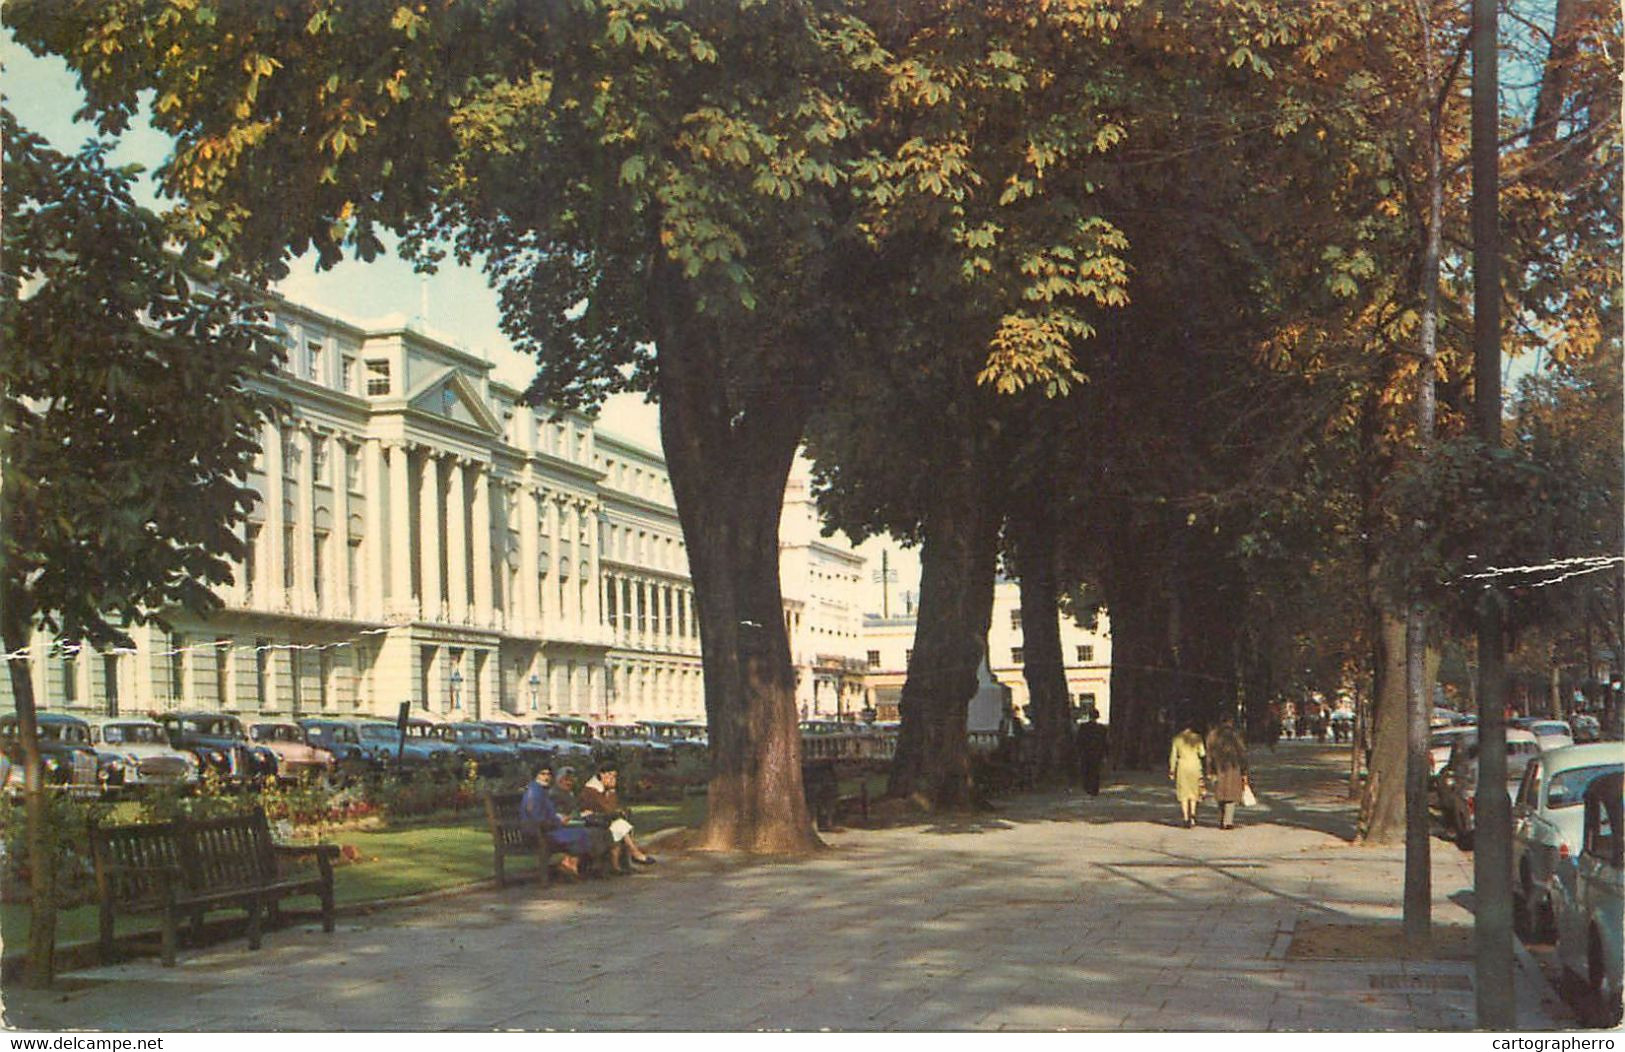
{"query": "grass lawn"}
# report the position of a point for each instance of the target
(407, 860)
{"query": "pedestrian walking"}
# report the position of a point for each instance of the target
(1091, 750)
(1185, 771)
(1227, 770)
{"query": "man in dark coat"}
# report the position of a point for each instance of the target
(1091, 749)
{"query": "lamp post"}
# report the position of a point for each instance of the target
(456, 688)
(535, 686)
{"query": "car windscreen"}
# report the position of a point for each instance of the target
(1567, 788)
(64, 732)
(379, 732)
(134, 734)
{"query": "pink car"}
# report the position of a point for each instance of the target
(295, 757)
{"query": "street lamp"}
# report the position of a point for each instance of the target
(456, 688)
(535, 685)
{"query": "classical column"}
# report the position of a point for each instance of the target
(400, 532)
(482, 544)
(271, 550)
(429, 537)
(456, 542)
(304, 581)
(528, 609)
(339, 569)
(372, 544)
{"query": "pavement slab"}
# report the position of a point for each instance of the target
(1062, 912)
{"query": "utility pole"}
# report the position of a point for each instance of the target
(885, 575)
(1492, 859)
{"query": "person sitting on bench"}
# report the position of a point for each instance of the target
(601, 805)
(540, 818)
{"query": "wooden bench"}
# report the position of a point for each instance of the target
(188, 867)
(508, 837)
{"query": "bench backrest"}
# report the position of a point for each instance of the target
(213, 854)
(131, 860)
(502, 813)
(218, 854)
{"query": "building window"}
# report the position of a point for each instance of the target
(262, 672)
(177, 666)
(353, 566)
(288, 550)
(347, 375)
(70, 679)
(611, 594)
(1017, 656)
(290, 456)
(874, 659)
(1015, 618)
(222, 672)
(251, 550)
(318, 458)
(1086, 703)
(352, 468)
(324, 670)
(313, 360)
(1086, 652)
(110, 682)
(377, 376)
(318, 561)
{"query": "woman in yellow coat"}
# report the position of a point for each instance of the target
(1185, 768)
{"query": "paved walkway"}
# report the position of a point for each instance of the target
(1059, 911)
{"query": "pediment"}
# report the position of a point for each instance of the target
(450, 394)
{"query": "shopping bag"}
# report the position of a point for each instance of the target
(1247, 797)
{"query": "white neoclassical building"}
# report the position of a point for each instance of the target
(422, 537)
(821, 579)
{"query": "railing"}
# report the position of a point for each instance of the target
(858, 745)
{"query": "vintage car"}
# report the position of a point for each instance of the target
(220, 744)
(352, 757)
(296, 757)
(66, 754)
(625, 740)
(680, 737)
(1589, 922)
(1459, 792)
(486, 747)
(413, 752)
(1440, 739)
(1552, 734)
(561, 739)
(1547, 820)
(133, 751)
(531, 753)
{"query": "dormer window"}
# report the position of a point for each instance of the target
(377, 376)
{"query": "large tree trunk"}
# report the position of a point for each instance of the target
(41, 853)
(1382, 810)
(728, 471)
(1032, 529)
(957, 562)
(1141, 689)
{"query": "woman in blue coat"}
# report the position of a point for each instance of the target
(539, 817)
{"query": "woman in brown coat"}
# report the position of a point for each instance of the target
(1227, 770)
(601, 806)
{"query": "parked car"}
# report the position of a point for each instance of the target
(414, 753)
(296, 756)
(559, 740)
(1463, 783)
(488, 748)
(576, 729)
(220, 744)
(680, 737)
(1552, 734)
(1586, 727)
(1547, 821)
(530, 752)
(66, 755)
(133, 751)
(629, 739)
(1589, 922)
(1439, 742)
(352, 757)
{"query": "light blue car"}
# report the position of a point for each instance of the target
(1589, 925)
